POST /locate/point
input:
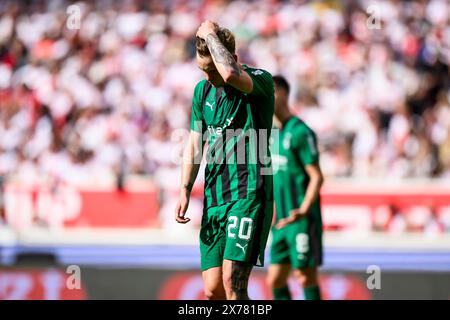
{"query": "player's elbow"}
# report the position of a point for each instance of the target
(239, 81)
(317, 178)
(320, 179)
(230, 76)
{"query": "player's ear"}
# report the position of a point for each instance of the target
(235, 57)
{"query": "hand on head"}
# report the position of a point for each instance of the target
(206, 28)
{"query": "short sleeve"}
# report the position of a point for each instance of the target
(197, 121)
(262, 83)
(307, 148)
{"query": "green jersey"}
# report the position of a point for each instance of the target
(237, 128)
(292, 150)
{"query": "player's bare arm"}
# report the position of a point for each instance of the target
(224, 61)
(191, 163)
(312, 192)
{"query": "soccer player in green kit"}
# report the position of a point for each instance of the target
(238, 195)
(297, 233)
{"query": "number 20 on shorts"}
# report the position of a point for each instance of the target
(245, 227)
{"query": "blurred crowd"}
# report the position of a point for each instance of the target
(114, 96)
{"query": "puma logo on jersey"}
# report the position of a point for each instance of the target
(209, 105)
(242, 247)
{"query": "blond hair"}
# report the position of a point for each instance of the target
(225, 36)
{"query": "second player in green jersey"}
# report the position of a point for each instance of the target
(297, 234)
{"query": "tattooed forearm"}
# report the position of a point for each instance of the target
(221, 55)
(240, 272)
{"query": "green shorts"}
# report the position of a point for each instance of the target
(298, 244)
(237, 230)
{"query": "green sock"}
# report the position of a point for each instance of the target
(281, 293)
(312, 293)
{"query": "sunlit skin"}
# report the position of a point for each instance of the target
(207, 66)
